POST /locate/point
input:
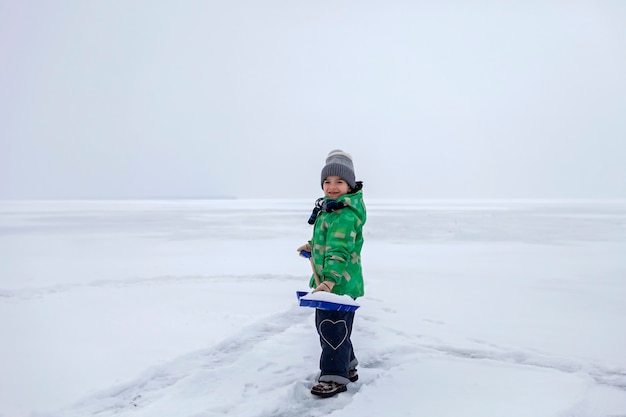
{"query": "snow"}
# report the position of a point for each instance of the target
(188, 308)
(343, 302)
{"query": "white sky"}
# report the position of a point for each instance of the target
(118, 99)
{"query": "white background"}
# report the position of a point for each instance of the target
(151, 99)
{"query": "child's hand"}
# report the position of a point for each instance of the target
(306, 247)
(326, 286)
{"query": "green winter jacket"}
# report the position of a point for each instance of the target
(337, 242)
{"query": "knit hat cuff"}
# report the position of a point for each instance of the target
(340, 170)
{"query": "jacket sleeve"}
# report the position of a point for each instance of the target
(340, 244)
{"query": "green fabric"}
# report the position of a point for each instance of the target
(337, 242)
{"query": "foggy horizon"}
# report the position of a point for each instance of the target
(108, 100)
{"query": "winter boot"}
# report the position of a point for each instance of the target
(327, 389)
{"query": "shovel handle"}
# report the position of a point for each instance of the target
(317, 278)
(307, 254)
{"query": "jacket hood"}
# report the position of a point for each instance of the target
(355, 203)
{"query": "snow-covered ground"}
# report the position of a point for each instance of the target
(188, 308)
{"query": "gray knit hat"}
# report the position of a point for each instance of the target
(339, 163)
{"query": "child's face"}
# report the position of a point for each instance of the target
(335, 187)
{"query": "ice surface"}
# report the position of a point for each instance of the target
(187, 308)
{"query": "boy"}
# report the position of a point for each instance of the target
(336, 257)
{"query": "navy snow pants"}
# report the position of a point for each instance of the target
(335, 329)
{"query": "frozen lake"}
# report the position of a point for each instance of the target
(188, 308)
